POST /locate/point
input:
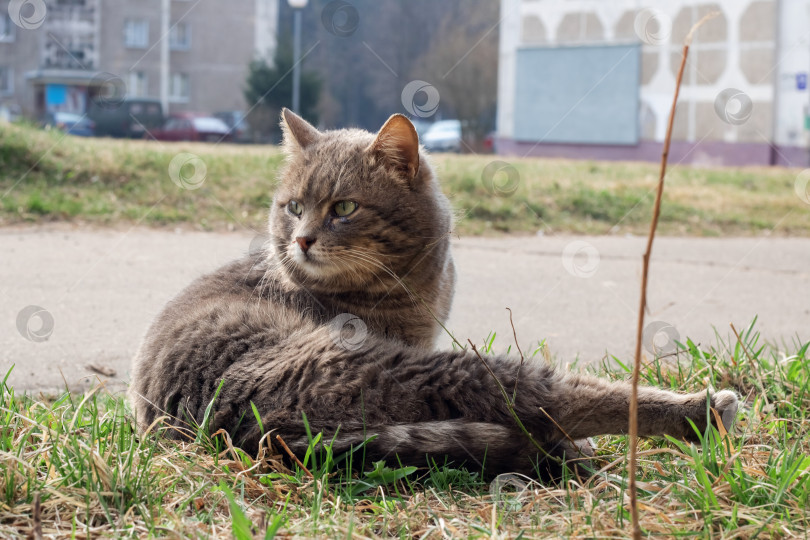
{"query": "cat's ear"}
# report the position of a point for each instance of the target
(398, 145)
(298, 133)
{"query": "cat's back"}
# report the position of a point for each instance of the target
(246, 291)
(217, 321)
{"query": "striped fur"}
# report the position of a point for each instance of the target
(265, 325)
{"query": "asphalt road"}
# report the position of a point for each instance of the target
(94, 292)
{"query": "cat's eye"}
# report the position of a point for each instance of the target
(295, 208)
(344, 208)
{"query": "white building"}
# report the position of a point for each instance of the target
(595, 79)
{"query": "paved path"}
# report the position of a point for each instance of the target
(103, 287)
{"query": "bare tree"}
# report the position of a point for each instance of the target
(462, 63)
(365, 69)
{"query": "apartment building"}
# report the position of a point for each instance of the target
(595, 79)
(54, 52)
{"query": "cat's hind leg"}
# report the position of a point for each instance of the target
(586, 406)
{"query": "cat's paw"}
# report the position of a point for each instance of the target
(726, 403)
(575, 455)
(584, 447)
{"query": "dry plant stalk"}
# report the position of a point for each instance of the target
(633, 429)
(36, 518)
(522, 360)
(510, 405)
(293, 457)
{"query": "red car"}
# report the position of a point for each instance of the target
(191, 127)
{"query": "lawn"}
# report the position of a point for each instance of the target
(46, 176)
(73, 466)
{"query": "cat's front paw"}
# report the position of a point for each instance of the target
(726, 403)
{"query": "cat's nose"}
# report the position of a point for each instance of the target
(305, 242)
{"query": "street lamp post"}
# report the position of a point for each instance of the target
(297, 6)
(165, 87)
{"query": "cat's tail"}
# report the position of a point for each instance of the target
(479, 446)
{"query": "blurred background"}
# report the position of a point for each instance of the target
(578, 79)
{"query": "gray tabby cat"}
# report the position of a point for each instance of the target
(359, 226)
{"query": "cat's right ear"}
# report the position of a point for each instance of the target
(398, 145)
(298, 133)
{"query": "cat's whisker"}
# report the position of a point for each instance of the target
(360, 261)
(260, 286)
(376, 253)
(366, 251)
(279, 261)
(249, 272)
(265, 276)
(252, 268)
(376, 263)
(426, 249)
(387, 270)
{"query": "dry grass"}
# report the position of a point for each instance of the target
(48, 177)
(94, 477)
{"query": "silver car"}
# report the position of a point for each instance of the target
(443, 136)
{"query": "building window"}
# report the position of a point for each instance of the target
(180, 37)
(6, 81)
(69, 51)
(136, 33)
(7, 27)
(137, 86)
(178, 90)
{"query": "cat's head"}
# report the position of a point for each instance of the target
(352, 208)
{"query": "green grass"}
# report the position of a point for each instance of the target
(45, 176)
(80, 457)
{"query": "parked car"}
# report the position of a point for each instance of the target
(443, 136)
(10, 113)
(237, 123)
(191, 127)
(131, 118)
(70, 123)
(490, 142)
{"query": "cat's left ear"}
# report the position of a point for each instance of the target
(398, 145)
(298, 133)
